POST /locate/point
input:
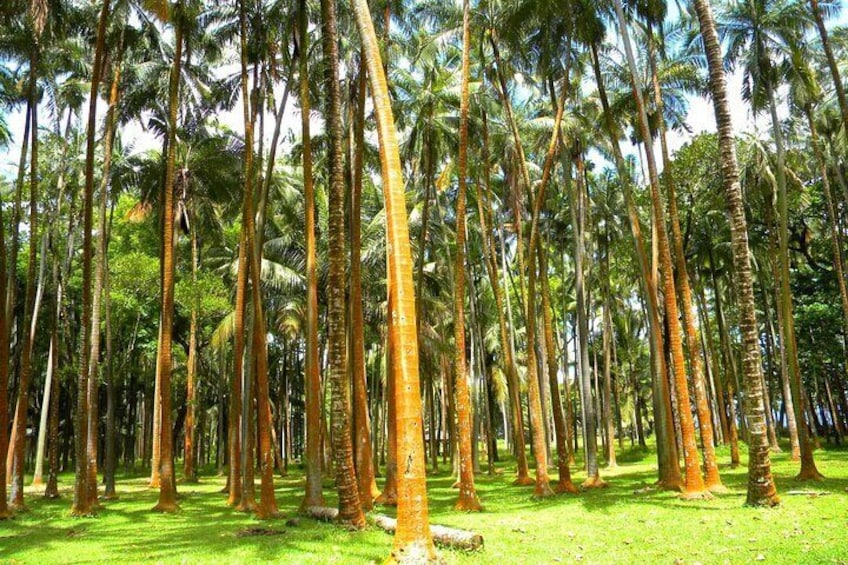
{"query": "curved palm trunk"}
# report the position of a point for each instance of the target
(81, 505)
(513, 385)
(468, 500)
(314, 495)
(4, 371)
(97, 298)
(413, 541)
(694, 482)
(712, 480)
(167, 480)
(761, 488)
(267, 507)
(30, 318)
(350, 510)
(577, 197)
(362, 452)
(234, 478)
(667, 454)
(189, 471)
(808, 465)
(561, 429)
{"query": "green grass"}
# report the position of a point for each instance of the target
(621, 524)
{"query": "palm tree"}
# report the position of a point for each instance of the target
(350, 510)
(468, 500)
(694, 484)
(761, 487)
(759, 32)
(413, 542)
(667, 455)
(167, 485)
(314, 496)
(712, 481)
(82, 502)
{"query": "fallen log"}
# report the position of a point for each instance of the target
(442, 535)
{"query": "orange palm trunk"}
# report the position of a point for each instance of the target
(412, 542)
(167, 481)
(468, 500)
(694, 482)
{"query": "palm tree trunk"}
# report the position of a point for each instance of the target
(667, 454)
(167, 480)
(314, 495)
(694, 482)
(808, 464)
(350, 510)
(189, 470)
(267, 507)
(561, 430)
(99, 271)
(30, 318)
(761, 489)
(712, 480)
(363, 452)
(485, 217)
(468, 500)
(412, 542)
(81, 505)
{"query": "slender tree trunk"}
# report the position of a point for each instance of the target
(314, 495)
(167, 481)
(564, 483)
(99, 273)
(363, 456)
(761, 488)
(468, 500)
(694, 482)
(413, 541)
(667, 453)
(30, 318)
(486, 223)
(267, 507)
(808, 465)
(350, 509)
(81, 505)
(189, 470)
(712, 480)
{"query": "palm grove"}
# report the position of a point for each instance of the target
(474, 231)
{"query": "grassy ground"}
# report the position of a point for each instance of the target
(622, 524)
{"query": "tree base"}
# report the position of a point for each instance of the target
(670, 484)
(594, 482)
(37, 482)
(809, 475)
(468, 503)
(6, 514)
(696, 495)
(270, 514)
(246, 505)
(543, 490)
(566, 487)
(414, 554)
(387, 498)
(769, 501)
(718, 488)
(523, 481)
(166, 507)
